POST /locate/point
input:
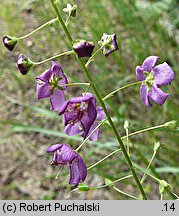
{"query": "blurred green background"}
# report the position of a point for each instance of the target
(27, 127)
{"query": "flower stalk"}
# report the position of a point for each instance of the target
(124, 137)
(87, 138)
(150, 162)
(121, 88)
(100, 100)
(54, 57)
(38, 29)
(91, 58)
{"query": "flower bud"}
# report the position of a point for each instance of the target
(171, 124)
(24, 64)
(108, 44)
(83, 187)
(9, 42)
(156, 146)
(108, 182)
(83, 48)
(126, 124)
(163, 185)
(70, 9)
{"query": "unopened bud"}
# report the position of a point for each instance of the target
(163, 185)
(83, 187)
(24, 64)
(108, 182)
(156, 146)
(171, 124)
(126, 124)
(9, 42)
(71, 9)
(83, 48)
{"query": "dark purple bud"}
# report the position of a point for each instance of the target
(108, 44)
(83, 48)
(9, 42)
(24, 64)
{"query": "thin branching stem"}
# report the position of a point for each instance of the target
(95, 89)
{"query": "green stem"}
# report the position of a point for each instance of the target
(147, 173)
(102, 104)
(61, 22)
(38, 29)
(53, 57)
(107, 156)
(85, 140)
(128, 147)
(155, 178)
(74, 84)
(91, 58)
(115, 188)
(144, 130)
(124, 193)
(111, 183)
(124, 137)
(151, 160)
(67, 20)
(121, 88)
(161, 196)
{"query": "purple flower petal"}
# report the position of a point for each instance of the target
(114, 43)
(88, 119)
(45, 76)
(157, 95)
(140, 73)
(78, 171)
(67, 153)
(149, 63)
(83, 49)
(63, 154)
(75, 100)
(53, 148)
(86, 124)
(163, 74)
(144, 95)
(80, 99)
(74, 173)
(72, 130)
(82, 168)
(43, 90)
(100, 114)
(57, 99)
(9, 42)
(95, 135)
(57, 70)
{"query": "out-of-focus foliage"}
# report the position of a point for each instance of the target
(27, 126)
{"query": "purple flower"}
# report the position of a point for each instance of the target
(63, 155)
(24, 64)
(9, 42)
(100, 116)
(108, 44)
(83, 48)
(153, 78)
(50, 84)
(79, 114)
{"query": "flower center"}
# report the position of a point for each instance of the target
(54, 82)
(149, 81)
(77, 110)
